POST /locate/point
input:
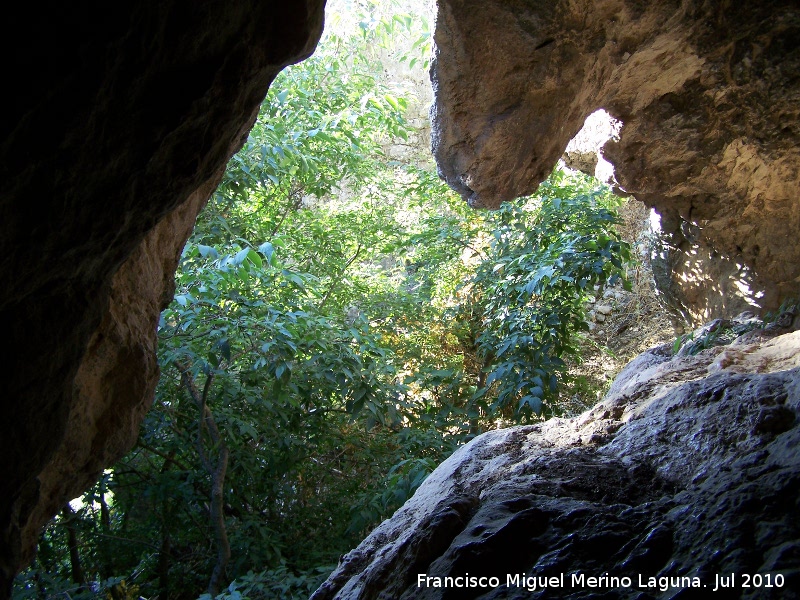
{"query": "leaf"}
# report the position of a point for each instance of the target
(254, 258)
(267, 249)
(246, 428)
(392, 101)
(241, 256)
(295, 279)
(206, 251)
(224, 347)
(504, 347)
(280, 370)
(533, 402)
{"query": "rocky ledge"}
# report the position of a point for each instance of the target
(687, 472)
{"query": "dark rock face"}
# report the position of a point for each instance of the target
(710, 101)
(120, 123)
(688, 468)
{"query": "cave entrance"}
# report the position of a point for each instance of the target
(342, 322)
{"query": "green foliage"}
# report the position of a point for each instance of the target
(720, 332)
(525, 302)
(279, 583)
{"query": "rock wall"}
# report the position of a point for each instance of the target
(688, 468)
(119, 120)
(710, 103)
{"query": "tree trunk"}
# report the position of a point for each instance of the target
(218, 519)
(105, 523)
(163, 565)
(72, 541)
(216, 468)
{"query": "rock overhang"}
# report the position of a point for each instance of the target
(709, 102)
(119, 124)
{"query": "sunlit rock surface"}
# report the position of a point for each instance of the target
(689, 467)
(117, 124)
(709, 98)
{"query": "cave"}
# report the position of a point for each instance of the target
(119, 125)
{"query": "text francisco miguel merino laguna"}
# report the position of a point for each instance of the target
(580, 580)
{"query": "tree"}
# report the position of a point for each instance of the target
(526, 300)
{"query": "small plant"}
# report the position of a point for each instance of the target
(720, 332)
(681, 340)
(788, 308)
(274, 584)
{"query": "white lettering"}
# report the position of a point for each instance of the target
(665, 583)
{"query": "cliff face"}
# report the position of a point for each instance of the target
(709, 98)
(688, 468)
(120, 123)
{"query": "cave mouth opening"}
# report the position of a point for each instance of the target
(248, 292)
(67, 210)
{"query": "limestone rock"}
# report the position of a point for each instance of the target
(709, 100)
(118, 126)
(688, 467)
(603, 309)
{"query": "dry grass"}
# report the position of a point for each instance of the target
(636, 323)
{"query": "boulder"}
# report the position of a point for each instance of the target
(687, 471)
